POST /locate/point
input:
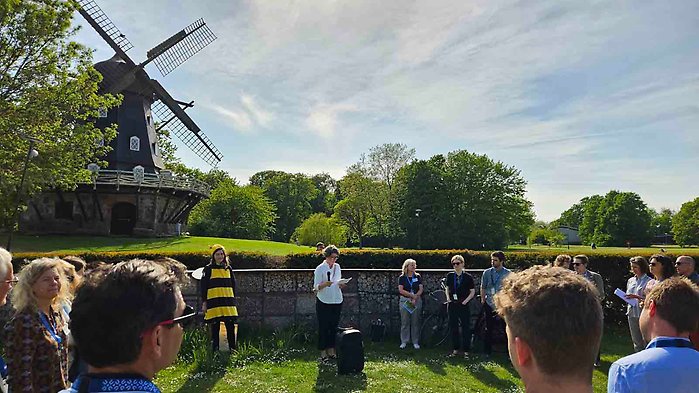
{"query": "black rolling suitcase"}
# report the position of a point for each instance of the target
(350, 351)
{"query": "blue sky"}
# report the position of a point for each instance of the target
(581, 96)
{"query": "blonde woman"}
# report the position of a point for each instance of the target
(410, 304)
(37, 354)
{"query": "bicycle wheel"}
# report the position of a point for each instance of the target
(434, 332)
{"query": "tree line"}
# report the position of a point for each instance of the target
(387, 199)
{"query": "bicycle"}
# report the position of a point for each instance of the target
(435, 328)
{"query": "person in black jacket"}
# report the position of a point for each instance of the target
(460, 290)
(218, 294)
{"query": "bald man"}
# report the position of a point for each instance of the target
(686, 266)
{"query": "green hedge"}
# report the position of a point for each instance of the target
(614, 267)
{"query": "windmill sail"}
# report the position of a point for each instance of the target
(181, 46)
(104, 26)
(174, 118)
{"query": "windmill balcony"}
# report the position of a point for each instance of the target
(164, 180)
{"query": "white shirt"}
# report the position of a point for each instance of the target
(331, 294)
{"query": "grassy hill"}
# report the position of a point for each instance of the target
(78, 244)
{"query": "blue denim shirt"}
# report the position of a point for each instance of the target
(664, 370)
(491, 282)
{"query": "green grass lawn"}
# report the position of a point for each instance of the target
(279, 367)
(78, 244)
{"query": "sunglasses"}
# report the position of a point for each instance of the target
(455, 263)
(577, 263)
(13, 281)
(679, 263)
(185, 320)
(652, 264)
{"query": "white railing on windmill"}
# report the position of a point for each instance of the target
(139, 178)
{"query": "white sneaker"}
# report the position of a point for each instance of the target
(403, 345)
(416, 346)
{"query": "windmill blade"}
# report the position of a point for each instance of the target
(172, 116)
(177, 49)
(104, 26)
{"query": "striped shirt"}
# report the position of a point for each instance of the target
(218, 290)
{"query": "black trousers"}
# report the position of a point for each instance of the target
(230, 333)
(460, 315)
(489, 326)
(328, 318)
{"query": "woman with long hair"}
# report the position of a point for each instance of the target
(218, 293)
(410, 304)
(661, 267)
(36, 347)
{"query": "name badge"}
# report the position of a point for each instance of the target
(455, 297)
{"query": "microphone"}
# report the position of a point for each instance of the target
(328, 276)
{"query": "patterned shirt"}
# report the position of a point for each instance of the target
(35, 360)
(113, 383)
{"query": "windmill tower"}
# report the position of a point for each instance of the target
(133, 195)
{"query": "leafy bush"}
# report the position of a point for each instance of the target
(320, 228)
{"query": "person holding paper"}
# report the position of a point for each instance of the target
(410, 304)
(635, 289)
(460, 290)
(327, 287)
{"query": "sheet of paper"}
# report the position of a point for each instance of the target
(621, 294)
(343, 280)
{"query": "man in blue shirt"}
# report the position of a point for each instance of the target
(491, 282)
(669, 364)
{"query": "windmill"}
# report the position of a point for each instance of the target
(145, 97)
(134, 195)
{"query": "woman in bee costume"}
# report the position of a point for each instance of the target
(218, 293)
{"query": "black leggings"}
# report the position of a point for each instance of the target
(230, 333)
(460, 314)
(328, 318)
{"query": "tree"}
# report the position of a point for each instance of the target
(685, 224)
(661, 223)
(235, 212)
(291, 194)
(617, 219)
(320, 228)
(465, 200)
(374, 195)
(326, 198)
(546, 236)
(352, 212)
(48, 90)
(384, 162)
(573, 217)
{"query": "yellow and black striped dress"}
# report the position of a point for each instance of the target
(218, 289)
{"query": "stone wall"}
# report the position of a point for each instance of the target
(280, 297)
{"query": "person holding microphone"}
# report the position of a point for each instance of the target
(328, 301)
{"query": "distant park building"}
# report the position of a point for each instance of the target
(133, 195)
(571, 234)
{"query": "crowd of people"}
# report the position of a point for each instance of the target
(111, 327)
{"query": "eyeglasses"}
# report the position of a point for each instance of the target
(652, 263)
(185, 320)
(577, 263)
(455, 263)
(679, 263)
(13, 281)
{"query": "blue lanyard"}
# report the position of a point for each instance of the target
(51, 329)
(671, 343)
(410, 282)
(495, 272)
(461, 279)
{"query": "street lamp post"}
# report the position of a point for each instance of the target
(417, 214)
(31, 153)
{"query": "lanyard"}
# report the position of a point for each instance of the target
(461, 279)
(671, 343)
(410, 282)
(51, 329)
(495, 272)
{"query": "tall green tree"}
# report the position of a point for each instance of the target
(353, 213)
(685, 224)
(326, 198)
(291, 194)
(48, 90)
(235, 212)
(616, 219)
(464, 200)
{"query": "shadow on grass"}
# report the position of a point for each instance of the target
(329, 381)
(206, 375)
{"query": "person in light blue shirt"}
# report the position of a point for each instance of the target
(491, 282)
(669, 364)
(635, 289)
